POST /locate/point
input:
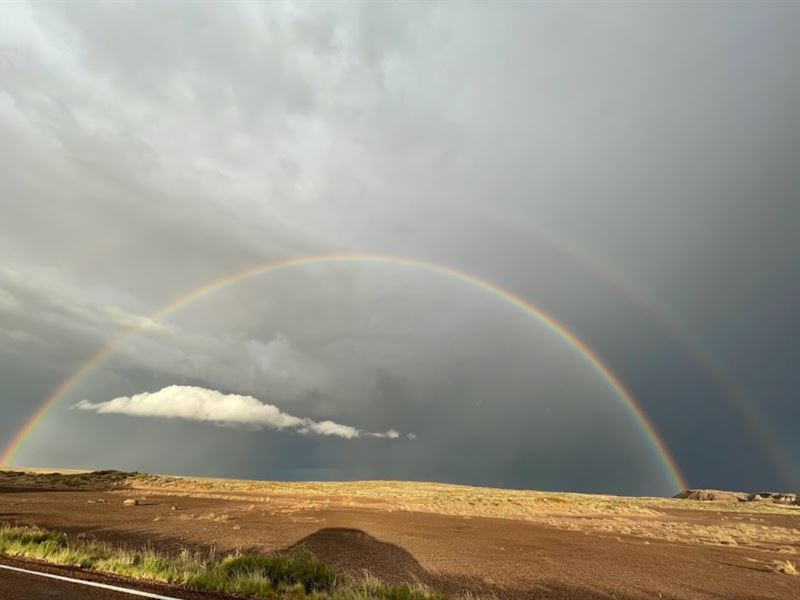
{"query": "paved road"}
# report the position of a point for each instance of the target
(15, 585)
(19, 586)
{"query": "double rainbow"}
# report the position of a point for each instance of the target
(551, 324)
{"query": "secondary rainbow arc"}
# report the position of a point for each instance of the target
(550, 323)
(756, 424)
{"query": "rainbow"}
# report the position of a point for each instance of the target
(550, 323)
(755, 424)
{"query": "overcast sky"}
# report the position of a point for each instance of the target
(632, 169)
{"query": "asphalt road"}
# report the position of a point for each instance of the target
(20, 586)
(15, 585)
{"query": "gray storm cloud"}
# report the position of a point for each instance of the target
(200, 404)
(151, 148)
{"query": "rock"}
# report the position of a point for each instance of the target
(776, 497)
(784, 498)
(130, 502)
(712, 496)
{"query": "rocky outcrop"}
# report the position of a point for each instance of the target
(786, 498)
(774, 497)
(83, 480)
(713, 496)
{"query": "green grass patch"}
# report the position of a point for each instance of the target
(298, 574)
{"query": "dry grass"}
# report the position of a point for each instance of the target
(75, 480)
(433, 497)
(614, 515)
(209, 516)
(784, 566)
(738, 524)
(447, 499)
(735, 533)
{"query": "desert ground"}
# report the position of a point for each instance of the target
(457, 539)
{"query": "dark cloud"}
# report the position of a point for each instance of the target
(630, 169)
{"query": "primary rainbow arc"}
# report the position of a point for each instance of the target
(550, 323)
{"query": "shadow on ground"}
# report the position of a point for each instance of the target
(356, 551)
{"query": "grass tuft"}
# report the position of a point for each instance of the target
(784, 566)
(300, 567)
(372, 588)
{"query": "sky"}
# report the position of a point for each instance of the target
(629, 169)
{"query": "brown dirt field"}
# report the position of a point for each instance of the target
(503, 543)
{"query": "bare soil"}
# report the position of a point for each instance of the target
(502, 543)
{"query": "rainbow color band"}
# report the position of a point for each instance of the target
(551, 324)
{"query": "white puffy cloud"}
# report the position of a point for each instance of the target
(201, 404)
(390, 434)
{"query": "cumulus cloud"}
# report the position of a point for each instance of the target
(390, 434)
(201, 404)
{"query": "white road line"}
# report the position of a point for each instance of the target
(104, 586)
